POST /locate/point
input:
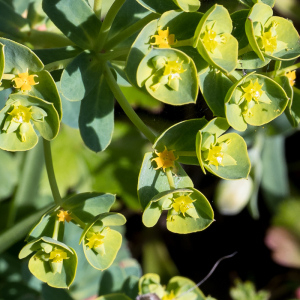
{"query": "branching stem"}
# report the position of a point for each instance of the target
(170, 178)
(57, 65)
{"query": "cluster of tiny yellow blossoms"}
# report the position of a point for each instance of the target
(169, 296)
(58, 255)
(215, 156)
(182, 204)
(21, 114)
(269, 39)
(64, 216)
(163, 39)
(211, 40)
(24, 81)
(253, 91)
(164, 159)
(96, 240)
(173, 69)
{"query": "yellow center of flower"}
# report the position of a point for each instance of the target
(96, 240)
(24, 81)
(215, 156)
(253, 91)
(182, 204)
(163, 39)
(211, 40)
(291, 75)
(173, 69)
(169, 296)
(58, 255)
(269, 39)
(164, 159)
(21, 114)
(64, 216)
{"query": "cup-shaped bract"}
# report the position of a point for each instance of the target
(214, 41)
(178, 287)
(224, 155)
(101, 243)
(188, 210)
(254, 100)
(272, 37)
(19, 117)
(169, 75)
(54, 262)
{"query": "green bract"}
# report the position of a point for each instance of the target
(223, 155)
(169, 75)
(101, 243)
(254, 100)
(1, 62)
(188, 210)
(272, 37)
(54, 262)
(18, 117)
(214, 41)
(178, 287)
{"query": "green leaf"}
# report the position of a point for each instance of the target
(19, 58)
(97, 111)
(214, 86)
(188, 5)
(80, 77)
(111, 219)
(295, 106)
(79, 24)
(113, 297)
(151, 182)
(148, 75)
(49, 293)
(251, 61)
(46, 90)
(1, 60)
(218, 20)
(88, 205)
(158, 6)
(112, 244)
(181, 137)
(11, 22)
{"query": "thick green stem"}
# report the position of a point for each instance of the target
(244, 50)
(57, 65)
(131, 114)
(170, 178)
(8, 76)
(106, 25)
(115, 54)
(56, 229)
(129, 31)
(97, 8)
(77, 220)
(188, 42)
(285, 70)
(51, 174)
(28, 184)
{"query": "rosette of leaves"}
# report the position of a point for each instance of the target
(188, 210)
(163, 6)
(29, 76)
(169, 75)
(19, 117)
(214, 41)
(53, 262)
(269, 36)
(177, 288)
(254, 100)
(224, 155)
(101, 243)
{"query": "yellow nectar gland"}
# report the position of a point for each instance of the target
(269, 39)
(211, 40)
(182, 204)
(291, 75)
(24, 81)
(164, 159)
(163, 39)
(170, 296)
(64, 216)
(21, 114)
(173, 69)
(252, 91)
(95, 240)
(58, 255)
(215, 156)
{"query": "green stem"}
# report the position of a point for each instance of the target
(186, 153)
(129, 31)
(97, 8)
(56, 229)
(8, 76)
(51, 174)
(115, 54)
(28, 182)
(188, 42)
(131, 114)
(77, 220)
(170, 178)
(57, 65)
(285, 70)
(106, 25)
(244, 50)
(231, 77)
